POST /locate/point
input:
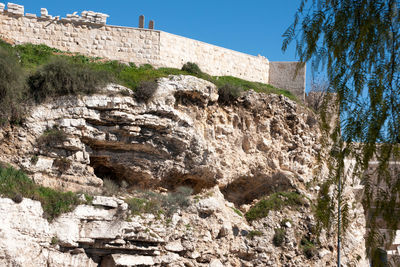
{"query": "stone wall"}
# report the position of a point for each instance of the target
(145, 46)
(117, 43)
(283, 75)
(218, 61)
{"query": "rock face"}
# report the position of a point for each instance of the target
(98, 235)
(229, 154)
(182, 136)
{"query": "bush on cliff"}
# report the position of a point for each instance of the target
(192, 68)
(228, 93)
(145, 91)
(155, 203)
(276, 201)
(12, 88)
(61, 77)
(15, 184)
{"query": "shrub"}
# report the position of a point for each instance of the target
(247, 85)
(110, 188)
(145, 91)
(155, 203)
(192, 68)
(145, 67)
(138, 206)
(279, 237)
(308, 247)
(62, 164)
(228, 93)
(52, 137)
(34, 159)
(54, 202)
(177, 199)
(15, 184)
(12, 88)
(276, 201)
(61, 77)
(254, 233)
(33, 55)
(311, 121)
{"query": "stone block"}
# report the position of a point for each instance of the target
(2, 6)
(30, 15)
(15, 9)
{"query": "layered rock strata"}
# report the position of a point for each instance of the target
(231, 155)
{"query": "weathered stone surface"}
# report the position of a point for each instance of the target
(231, 155)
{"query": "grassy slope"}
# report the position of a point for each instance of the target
(32, 57)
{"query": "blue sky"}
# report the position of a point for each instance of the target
(253, 27)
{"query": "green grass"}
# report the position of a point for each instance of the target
(51, 137)
(38, 72)
(33, 56)
(308, 247)
(276, 201)
(16, 183)
(254, 233)
(156, 203)
(279, 237)
(238, 212)
(256, 86)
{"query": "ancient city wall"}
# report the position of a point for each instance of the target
(176, 50)
(284, 75)
(118, 43)
(146, 46)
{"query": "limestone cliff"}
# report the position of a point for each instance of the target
(231, 155)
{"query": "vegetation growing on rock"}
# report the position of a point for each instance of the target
(275, 201)
(38, 72)
(157, 203)
(15, 184)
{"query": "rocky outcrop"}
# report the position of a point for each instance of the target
(231, 155)
(208, 233)
(182, 136)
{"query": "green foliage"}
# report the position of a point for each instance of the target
(324, 209)
(54, 241)
(52, 137)
(247, 85)
(32, 56)
(12, 88)
(54, 202)
(357, 42)
(110, 188)
(34, 159)
(88, 198)
(145, 90)
(138, 206)
(228, 94)
(155, 203)
(60, 77)
(177, 200)
(39, 72)
(308, 247)
(62, 164)
(15, 182)
(276, 201)
(238, 212)
(254, 233)
(279, 237)
(191, 68)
